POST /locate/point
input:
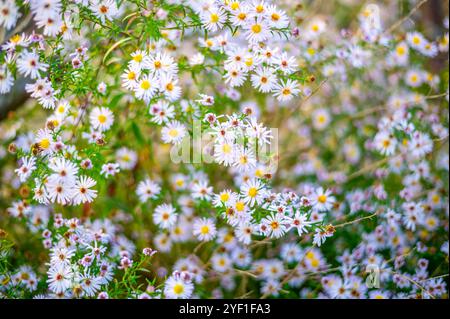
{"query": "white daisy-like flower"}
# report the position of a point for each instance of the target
(245, 160)
(173, 132)
(286, 90)
(6, 80)
(28, 64)
(257, 31)
(320, 119)
(139, 59)
(147, 88)
(27, 167)
(204, 229)
(9, 13)
(169, 87)
(104, 9)
(59, 278)
(101, 118)
(385, 143)
(214, 19)
(162, 112)
(161, 63)
(177, 288)
(264, 79)
(252, 192)
(59, 191)
(201, 190)
(110, 169)
(164, 216)
(277, 18)
(44, 141)
(82, 192)
(129, 78)
(126, 158)
(225, 152)
(147, 189)
(276, 225)
(322, 200)
(64, 170)
(285, 63)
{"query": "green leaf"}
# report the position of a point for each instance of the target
(137, 133)
(115, 45)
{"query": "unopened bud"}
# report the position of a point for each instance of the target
(12, 148)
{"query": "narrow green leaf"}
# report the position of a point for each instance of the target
(115, 45)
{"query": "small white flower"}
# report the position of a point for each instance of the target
(164, 216)
(101, 118)
(204, 229)
(82, 192)
(173, 132)
(147, 189)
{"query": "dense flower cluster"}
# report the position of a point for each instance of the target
(148, 124)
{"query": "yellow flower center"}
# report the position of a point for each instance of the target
(102, 118)
(321, 119)
(286, 91)
(131, 75)
(310, 255)
(240, 206)
(173, 133)
(435, 198)
(242, 16)
(44, 143)
(138, 58)
(401, 50)
(252, 192)
(322, 198)
(226, 148)
(16, 38)
(274, 225)
(178, 289)
(145, 85)
(224, 197)
(214, 18)
(256, 28)
(204, 230)
(179, 182)
(431, 222)
(275, 17)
